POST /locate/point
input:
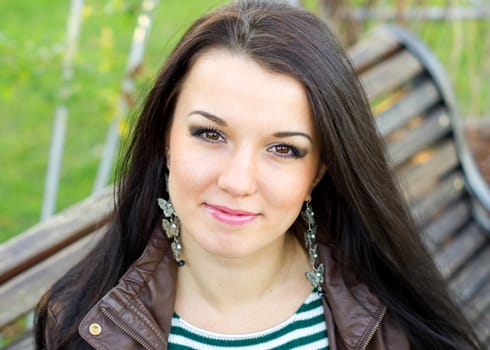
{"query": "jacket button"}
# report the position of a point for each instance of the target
(95, 329)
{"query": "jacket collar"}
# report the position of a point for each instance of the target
(356, 311)
(142, 304)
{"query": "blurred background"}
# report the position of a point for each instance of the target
(82, 62)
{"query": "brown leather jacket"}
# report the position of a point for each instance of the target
(136, 313)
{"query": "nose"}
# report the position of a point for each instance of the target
(238, 173)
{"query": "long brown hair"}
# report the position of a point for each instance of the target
(358, 205)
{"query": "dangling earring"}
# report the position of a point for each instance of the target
(316, 276)
(171, 226)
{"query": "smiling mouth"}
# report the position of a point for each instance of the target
(230, 216)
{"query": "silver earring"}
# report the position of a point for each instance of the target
(316, 275)
(171, 226)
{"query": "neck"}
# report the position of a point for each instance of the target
(226, 284)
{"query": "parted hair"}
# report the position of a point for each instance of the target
(359, 208)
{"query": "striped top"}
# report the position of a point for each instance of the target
(306, 329)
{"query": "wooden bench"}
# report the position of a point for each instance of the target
(417, 116)
(32, 261)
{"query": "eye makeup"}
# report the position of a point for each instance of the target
(208, 133)
(286, 150)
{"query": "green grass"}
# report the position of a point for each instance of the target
(31, 51)
(464, 53)
(32, 35)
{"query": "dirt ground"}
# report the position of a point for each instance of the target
(478, 136)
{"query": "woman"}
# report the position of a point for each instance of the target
(256, 117)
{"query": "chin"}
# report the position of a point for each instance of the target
(229, 250)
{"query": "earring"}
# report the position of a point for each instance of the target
(316, 276)
(171, 226)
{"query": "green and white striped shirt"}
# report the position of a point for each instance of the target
(306, 329)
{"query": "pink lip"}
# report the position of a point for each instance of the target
(230, 216)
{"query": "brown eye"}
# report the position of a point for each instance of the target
(212, 135)
(208, 134)
(282, 149)
(286, 151)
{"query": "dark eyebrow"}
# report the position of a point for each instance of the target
(293, 133)
(209, 116)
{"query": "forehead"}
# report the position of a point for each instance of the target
(233, 83)
(211, 62)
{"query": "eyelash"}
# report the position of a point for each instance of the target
(200, 132)
(294, 152)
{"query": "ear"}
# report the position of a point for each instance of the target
(322, 169)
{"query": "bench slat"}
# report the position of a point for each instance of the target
(373, 49)
(415, 102)
(454, 254)
(424, 172)
(482, 329)
(470, 279)
(448, 191)
(44, 239)
(404, 145)
(393, 73)
(444, 226)
(479, 302)
(25, 343)
(21, 293)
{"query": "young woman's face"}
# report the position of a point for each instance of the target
(243, 156)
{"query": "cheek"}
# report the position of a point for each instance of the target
(283, 200)
(187, 173)
(191, 171)
(287, 190)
